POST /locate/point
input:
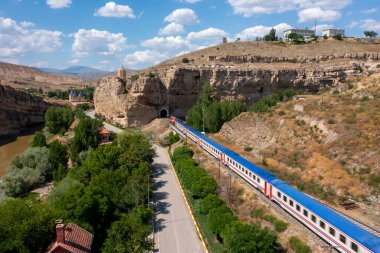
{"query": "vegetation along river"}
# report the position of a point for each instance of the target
(13, 146)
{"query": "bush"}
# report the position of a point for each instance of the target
(338, 37)
(331, 121)
(258, 212)
(280, 226)
(210, 202)
(298, 246)
(58, 119)
(185, 60)
(219, 218)
(264, 104)
(170, 139)
(38, 140)
(248, 148)
(26, 171)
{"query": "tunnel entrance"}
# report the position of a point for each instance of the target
(164, 113)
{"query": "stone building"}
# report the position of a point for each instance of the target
(121, 72)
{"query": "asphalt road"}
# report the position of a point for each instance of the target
(174, 228)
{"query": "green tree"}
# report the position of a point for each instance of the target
(26, 171)
(136, 147)
(219, 218)
(130, 235)
(338, 37)
(58, 119)
(25, 226)
(210, 202)
(271, 36)
(241, 238)
(370, 34)
(38, 140)
(58, 154)
(86, 135)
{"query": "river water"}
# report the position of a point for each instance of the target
(11, 147)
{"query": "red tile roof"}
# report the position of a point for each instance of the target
(104, 131)
(77, 240)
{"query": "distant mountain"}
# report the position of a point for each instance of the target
(23, 77)
(82, 72)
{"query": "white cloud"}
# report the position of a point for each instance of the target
(74, 61)
(210, 35)
(260, 31)
(141, 59)
(98, 42)
(369, 11)
(111, 9)
(41, 64)
(248, 8)
(172, 28)
(168, 44)
(319, 14)
(353, 24)
(25, 24)
(16, 39)
(57, 4)
(182, 16)
(370, 24)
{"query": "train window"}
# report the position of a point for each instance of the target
(291, 202)
(258, 180)
(285, 198)
(322, 224)
(342, 238)
(354, 246)
(298, 208)
(305, 213)
(332, 231)
(254, 177)
(279, 194)
(313, 219)
(250, 174)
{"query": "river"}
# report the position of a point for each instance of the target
(13, 146)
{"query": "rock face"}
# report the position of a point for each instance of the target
(19, 110)
(138, 101)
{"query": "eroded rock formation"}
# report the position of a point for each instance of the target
(137, 101)
(19, 110)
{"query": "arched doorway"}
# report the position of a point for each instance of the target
(164, 113)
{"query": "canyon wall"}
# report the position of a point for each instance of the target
(138, 100)
(19, 110)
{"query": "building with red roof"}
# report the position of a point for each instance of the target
(71, 239)
(105, 135)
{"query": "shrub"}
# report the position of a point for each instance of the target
(280, 226)
(331, 121)
(258, 212)
(134, 78)
(366, 170)
(248, 148)
(185, 60)
(298, 246)
(210, 202)
(170, 139)
(152, 75)
(338, 37)
(219, 218)
(270, 218)
(38, 140)
(26, 171)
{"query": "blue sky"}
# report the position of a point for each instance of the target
(141, 33)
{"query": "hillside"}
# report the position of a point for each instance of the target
(22, 77)
(328, 145)
(82, 72)
(241, 70)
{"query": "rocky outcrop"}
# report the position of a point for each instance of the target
(19, 110)
(268, 59)
(137, 101)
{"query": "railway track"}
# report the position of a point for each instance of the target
(322, 243)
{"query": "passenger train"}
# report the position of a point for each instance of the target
(339, 232)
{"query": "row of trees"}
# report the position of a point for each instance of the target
(234, 235)
(106, 195)
(209, 114)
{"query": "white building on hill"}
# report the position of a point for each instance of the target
(306, 33)
(332, 32)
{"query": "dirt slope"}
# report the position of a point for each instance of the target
(328, 146)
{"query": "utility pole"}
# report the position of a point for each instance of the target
(203, 119)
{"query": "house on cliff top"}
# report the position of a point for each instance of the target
(121, 72)
(71, 239)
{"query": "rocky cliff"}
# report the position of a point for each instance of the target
(174, 86)
(19, 110)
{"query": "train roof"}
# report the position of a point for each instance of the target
(354, 231)
(360, 235)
